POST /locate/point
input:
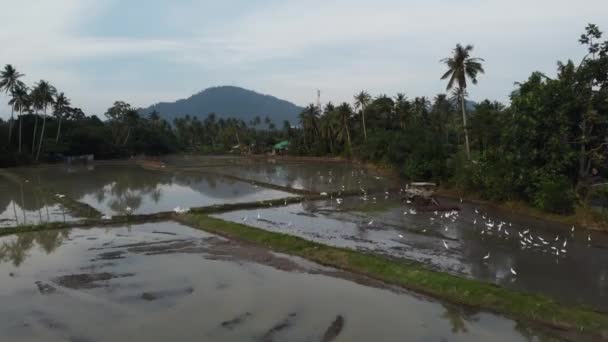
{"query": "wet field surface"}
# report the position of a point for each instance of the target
(317, 177)
(165, 281)
(122, 189)
(511, 251)
(23, 204)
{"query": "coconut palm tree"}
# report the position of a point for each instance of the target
(45, 97)
(9, 81)
(361, 101)
(60, 108)
(309, 118)
(21, 102)
(345, 113)
(460, 67)
(36, 101)
(402, 108)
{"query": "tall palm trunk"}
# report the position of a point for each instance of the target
(20, 128)
(34, 135)
(127, 137)
(10, 127)
(363, 121)
(41, 135)
(466, 130)
(58, 130)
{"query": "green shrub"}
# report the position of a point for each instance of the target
(554, 194)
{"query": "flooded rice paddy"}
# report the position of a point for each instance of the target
(316, 177)
(123, 189)
(569, 266)
(164, 281)
(24, 204)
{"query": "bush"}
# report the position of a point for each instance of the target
(554, 194)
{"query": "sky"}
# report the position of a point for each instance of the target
(143, 52)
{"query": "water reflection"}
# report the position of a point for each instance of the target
(22, 204)
(15, 248)
(387, 226)
(316, 177)
(122, 189)
(87, 276)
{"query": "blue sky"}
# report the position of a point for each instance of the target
(158, 50)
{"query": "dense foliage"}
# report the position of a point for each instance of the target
(540, 149)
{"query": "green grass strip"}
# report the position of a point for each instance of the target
(415, 276)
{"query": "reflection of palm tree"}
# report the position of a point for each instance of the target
(49, 240)
(456, 318)
(16, 249)
(156, 195)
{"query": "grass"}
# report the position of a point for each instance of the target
(415, 276)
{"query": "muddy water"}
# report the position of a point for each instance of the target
(316, 177)
(22, 204)
(386, 226)
(116, 188)
(164, 281)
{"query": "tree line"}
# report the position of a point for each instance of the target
(545, 147)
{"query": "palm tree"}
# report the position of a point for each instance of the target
(9, 81)
(45, 93)
(36, 101)
(309, 119)
(460, 67)
(402, 108)
(345, 112)
(21, 102)
(361, 101)
(61, 105)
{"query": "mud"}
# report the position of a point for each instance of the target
(233, 323)
(88, 280)
(284, 324)
(166, 287)
(334, 329)
(150, 296)
(45, 288)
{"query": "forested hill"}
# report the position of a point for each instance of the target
(229, 101)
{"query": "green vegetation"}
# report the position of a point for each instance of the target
(540, 149)
(417, 277)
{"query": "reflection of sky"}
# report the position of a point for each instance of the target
(393, 233)
(13, 215)
(316, 299)
(21, 204)
(197, 194)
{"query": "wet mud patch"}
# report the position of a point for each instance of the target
(113, 255)
(279, 327)
(88, 280)
(334, 329)
(183, 246)
(155, 295)
(231, 324)
(45, 288)
(164, 233)
(137, 244)
(97, 266)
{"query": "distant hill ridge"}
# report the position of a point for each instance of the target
(229, 101)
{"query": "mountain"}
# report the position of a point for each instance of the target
(229, 101)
